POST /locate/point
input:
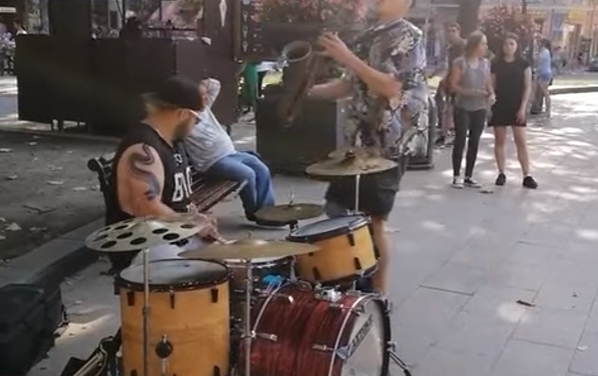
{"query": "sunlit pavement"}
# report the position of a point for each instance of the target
(461, 261)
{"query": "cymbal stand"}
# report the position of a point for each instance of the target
(247, 331)
(399, 362)
(145, 312)
(357, 185)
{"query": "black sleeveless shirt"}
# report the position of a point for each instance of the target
(177, 172)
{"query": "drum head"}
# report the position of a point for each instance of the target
(165, 275)
(328, 228)
(368, 342)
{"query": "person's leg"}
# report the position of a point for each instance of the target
(500, 135)
(380, 279)
(477, 121)
(543, 86)
(461, 126)
(264, 191)
(519, 135)
(232, 168)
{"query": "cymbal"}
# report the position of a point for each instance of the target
(350, 166)
(249, 249)
(144, 232)
(289, 213)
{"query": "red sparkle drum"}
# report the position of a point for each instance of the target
(300, 331)
(346, 249)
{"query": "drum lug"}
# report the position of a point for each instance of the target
(215, 295)
(391, 346)
(357, 263)
(316, 273)
(266, 336)
(288, 298)
(130, 298)
(322, 348)
(351, 238)
(172, 298)
(217, 371)
(388, 306)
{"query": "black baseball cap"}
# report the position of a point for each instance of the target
(176, 91)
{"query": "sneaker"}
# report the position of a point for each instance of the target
(529, 182)
(457, 182)
(470, 183)
(501, 179)
(440, 141)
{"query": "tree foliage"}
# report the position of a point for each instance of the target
(504, 19)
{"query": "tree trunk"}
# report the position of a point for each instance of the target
(468, 16)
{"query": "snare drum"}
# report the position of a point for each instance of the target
(328, 333)
(261, 267)
(346, 249)
(189, 308)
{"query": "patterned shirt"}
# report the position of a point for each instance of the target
(395, 48)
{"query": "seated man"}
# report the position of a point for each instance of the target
(212, 152)
(151, 176)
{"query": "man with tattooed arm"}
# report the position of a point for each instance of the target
(151, 176)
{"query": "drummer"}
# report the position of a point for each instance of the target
(387, 84)
(151, 174)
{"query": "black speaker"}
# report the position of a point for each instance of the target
(70, 18)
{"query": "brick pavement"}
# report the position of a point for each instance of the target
(461, 261)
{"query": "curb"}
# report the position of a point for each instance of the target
(55, 260)
(574, 90)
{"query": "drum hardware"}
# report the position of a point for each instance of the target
(248, 334)
(329, 294)
(163, 351)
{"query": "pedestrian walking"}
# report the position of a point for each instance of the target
(471, 83)
(545, 73)
(512, 81)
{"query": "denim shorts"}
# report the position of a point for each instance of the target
(545, 77)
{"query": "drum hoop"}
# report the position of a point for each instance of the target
(264, 306)
(120, 282)
(360, 222)
(243, 265)
(386, 328)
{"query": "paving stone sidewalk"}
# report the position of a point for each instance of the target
(461, 262)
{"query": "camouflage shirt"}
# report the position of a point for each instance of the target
(395, 48)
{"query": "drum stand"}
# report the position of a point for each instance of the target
(394, 357)
(247, 332)
(146, 312)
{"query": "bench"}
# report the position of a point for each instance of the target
(206, 193)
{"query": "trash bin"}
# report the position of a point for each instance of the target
(427, 162)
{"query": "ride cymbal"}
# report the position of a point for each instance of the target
(145, 232)
(289, 213)
(249, 249)
(350, 166)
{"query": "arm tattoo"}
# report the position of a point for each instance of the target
(137, 161)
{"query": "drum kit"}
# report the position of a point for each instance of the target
(252, 306)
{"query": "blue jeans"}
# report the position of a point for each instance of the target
(247, 167)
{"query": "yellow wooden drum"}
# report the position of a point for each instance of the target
(189, 312)
(346, 249)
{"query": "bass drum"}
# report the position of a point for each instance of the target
(300, 331)
(189, 310)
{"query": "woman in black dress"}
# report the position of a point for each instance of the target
(512, 80)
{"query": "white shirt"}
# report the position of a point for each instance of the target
(208, 142)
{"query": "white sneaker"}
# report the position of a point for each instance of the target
(457, 182)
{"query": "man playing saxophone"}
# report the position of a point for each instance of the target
(387, 85)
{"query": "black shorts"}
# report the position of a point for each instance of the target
(377, 192)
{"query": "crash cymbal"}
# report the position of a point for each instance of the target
(249, 249)
(289, 213)
(140, 233)
(350, 166)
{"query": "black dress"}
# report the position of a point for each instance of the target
(510, 80)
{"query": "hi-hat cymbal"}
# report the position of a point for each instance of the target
(289, 213)
(350, 166)
(145, 232)
(249, 249)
